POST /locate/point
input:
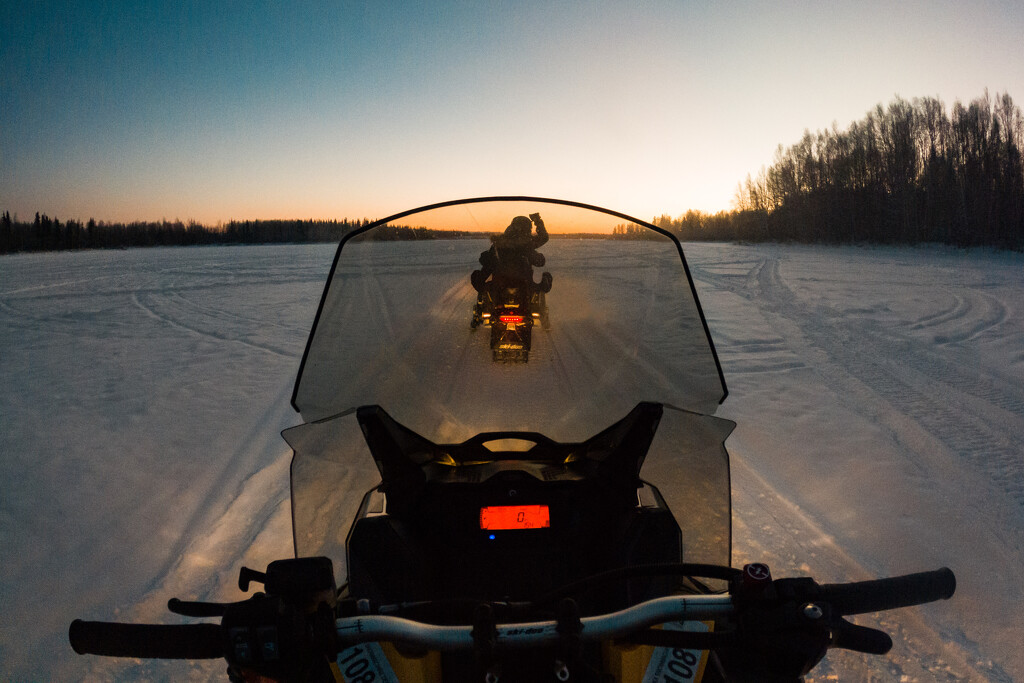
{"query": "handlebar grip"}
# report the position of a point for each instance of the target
(883, 594)
(147, 641)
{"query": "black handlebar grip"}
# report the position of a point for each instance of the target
(883, 594)
(147, 641)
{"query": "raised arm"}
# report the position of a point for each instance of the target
(541, 237)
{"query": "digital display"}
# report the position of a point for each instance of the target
(506, 517)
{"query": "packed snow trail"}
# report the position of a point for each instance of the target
(878, 395)
(899, 446)
(143, 389)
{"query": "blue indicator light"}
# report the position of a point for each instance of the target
(491, 537)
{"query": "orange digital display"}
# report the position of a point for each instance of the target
(505, 517)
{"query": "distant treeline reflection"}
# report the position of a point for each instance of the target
(907, 173)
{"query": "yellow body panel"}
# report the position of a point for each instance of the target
(627, 663)
(398, 668)
(413, 669)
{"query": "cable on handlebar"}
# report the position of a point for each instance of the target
(687, 640)
(707, 571)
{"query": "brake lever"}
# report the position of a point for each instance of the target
(187, 608)
(850, 636)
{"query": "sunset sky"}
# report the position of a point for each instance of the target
(219, 110)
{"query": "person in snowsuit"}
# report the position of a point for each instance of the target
(514, 254)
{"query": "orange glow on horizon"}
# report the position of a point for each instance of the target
(494, 217)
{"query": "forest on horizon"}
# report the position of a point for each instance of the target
(907, 173)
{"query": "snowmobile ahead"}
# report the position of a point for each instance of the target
(511, 536)
(509, 301)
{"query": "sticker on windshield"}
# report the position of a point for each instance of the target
(676, 665)
(365, 663)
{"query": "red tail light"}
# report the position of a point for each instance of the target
(512, 319)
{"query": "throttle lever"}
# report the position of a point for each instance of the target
(196, 609)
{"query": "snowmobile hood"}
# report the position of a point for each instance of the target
(624, 325)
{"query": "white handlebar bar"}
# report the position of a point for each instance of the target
(362, 629)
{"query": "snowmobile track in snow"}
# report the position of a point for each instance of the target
(974, 413)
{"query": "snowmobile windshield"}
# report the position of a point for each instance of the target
(401, 323)
(508, 315)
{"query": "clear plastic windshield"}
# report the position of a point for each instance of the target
(621, 324)
(410, 321)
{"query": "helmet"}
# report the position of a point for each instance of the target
(520, 227)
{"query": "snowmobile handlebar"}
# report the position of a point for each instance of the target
(362, 629)
(843, 599)
(773, 602)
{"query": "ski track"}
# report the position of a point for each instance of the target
(916, 381)
(964, 317)
(776, 531)
(937, 405)
(249, 455)
(223, 315)
(950, 403)
(163, 317)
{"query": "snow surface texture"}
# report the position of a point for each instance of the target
(879, 396)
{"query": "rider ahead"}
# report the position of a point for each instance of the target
(513, 254)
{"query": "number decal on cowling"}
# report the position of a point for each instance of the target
(676, 665)
(365, 663)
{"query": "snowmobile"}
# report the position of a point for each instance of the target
(509, 300)
(510, 309)
(511, 536)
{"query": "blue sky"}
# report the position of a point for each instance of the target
(221, 110)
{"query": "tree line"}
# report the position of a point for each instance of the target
(632, 231)
(906, 173)
(50, 234)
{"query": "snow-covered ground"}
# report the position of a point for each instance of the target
(879, 395)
